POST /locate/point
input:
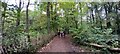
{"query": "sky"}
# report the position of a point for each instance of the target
(31, 7)
(16, 2)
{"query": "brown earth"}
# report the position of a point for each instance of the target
(61, 45)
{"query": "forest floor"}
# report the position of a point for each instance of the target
(61, 45)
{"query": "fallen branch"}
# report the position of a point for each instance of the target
(96, 45)
(103, 46)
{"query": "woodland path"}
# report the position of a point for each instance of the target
(61, 45)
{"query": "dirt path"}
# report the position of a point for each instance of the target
(60, 45)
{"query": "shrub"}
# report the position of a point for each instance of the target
(96, 35)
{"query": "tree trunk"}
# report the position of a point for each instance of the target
(18, 14)
(109, 9)
(100, 22)
(48, 17)
(76, 24)
(92, 16)
(51, 10)
(52, 17)
(80, 12)
(4, 50)
(27, 22)
(96, 7)
(117, 20)
(55, 18)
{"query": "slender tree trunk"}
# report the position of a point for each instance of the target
(52, 17)
(0, 20)
(51, 10)
(76, 22)
(96, 14)
(117, 20)
(109, 11)
(92, 16)
(98, 19)
(100, 22)
(80, 12)
(55, 18)
(1, 26)
(76, 25)
(87, 20)
(4, 50)
(3, 21)
(48, 17)
(3, 18)
(27, 22)
(18, 14)
(105, 7)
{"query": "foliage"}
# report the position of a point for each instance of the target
(15, 37)
(85, 21)
(94, 35)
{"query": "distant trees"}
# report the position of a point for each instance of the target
(109, 9)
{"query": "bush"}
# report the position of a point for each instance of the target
(89, 34)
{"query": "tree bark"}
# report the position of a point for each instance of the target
(4, 5)
(27, 21)
(117, 20)
(48, 17)
(80, 12)
(92, 15)
(18, 14)
(109, 10)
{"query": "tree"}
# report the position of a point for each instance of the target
(81, 12)
(4, 6)
(27, 21)
(48, 17)
(18, 14)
